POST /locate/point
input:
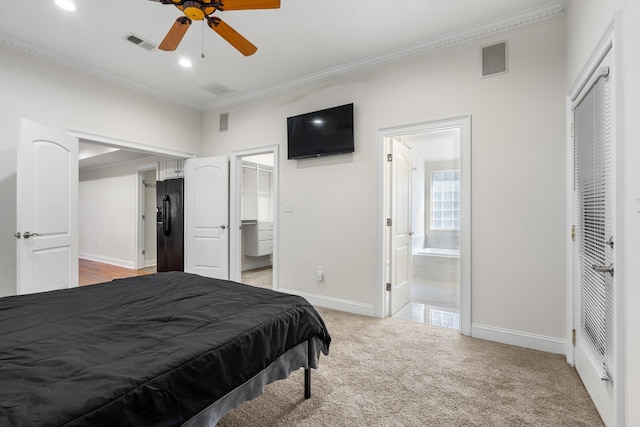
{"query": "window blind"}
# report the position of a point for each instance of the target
(593, 144)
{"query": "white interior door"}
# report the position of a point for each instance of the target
(47, 209)
(207, 217)
(595, 285)
(401, 170)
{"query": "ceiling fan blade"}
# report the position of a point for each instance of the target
(232, 36)
(175, 34)
(249, 4)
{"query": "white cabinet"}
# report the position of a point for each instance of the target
(170, 168)
(257, 192)
(257, 209)
(258, 238)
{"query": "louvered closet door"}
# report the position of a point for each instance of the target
(594, 144)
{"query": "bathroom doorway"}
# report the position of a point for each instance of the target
(435, 207)
(438, 258)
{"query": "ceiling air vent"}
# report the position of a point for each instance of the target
(139, 41)
(217, 88)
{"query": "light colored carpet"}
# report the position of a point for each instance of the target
(393, 372)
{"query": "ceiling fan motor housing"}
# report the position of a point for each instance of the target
(194, 10)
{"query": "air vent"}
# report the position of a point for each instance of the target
(494, 59)
(217, 88)
(224, 122)
(139, 41)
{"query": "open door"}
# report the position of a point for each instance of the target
(401, 167)
(207, 217)
(47, 209)
(596, 285)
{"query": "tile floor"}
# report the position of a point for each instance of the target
(432, 305)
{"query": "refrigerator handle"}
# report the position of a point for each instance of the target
(166, 215)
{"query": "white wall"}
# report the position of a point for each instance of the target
(107, 207)
(517, 161)
(60, 97)
(631, 52)
(587, 21)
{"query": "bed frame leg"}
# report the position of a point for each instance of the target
(307, 373)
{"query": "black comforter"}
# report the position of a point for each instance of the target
(149, 350)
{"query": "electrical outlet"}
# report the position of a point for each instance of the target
(320, 274)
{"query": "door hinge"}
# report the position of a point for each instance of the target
(388, 222)
(144, 252)
(389, 157)
(143, 216)
(389, 286)
(573, 337)
(573, 233)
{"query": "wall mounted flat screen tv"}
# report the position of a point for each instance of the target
(321, 133)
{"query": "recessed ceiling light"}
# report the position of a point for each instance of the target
(186, 63)
(66, 5)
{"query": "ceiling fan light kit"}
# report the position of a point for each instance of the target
(199, 10)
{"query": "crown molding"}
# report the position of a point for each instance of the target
(551, 9)
(24, 47)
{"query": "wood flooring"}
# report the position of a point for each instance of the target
(92, 272)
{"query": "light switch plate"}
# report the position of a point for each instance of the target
(288, 207)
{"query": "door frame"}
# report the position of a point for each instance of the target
(379, 290)
(134, 146)
(609, 43)
(141, 225)
(235, 236)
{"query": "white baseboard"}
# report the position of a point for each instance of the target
(519, 338)
(107, 260)
(334, 303)
(150, 262)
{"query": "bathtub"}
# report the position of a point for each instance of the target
(439, 252)
(436, 266)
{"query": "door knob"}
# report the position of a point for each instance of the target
(603, 268)
(222, 226)
(26, 234)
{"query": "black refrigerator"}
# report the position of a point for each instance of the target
(170, 224)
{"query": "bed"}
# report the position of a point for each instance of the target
(166, 349)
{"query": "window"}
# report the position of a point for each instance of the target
(445, 200)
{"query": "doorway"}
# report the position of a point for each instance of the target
(438, 209)
(112, 164)
(254, 177)
(435, 207)
(147, 227)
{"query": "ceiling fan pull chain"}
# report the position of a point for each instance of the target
(202, 51)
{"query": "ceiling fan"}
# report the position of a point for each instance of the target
(199, 10)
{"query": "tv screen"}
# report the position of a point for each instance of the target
(321, 133)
